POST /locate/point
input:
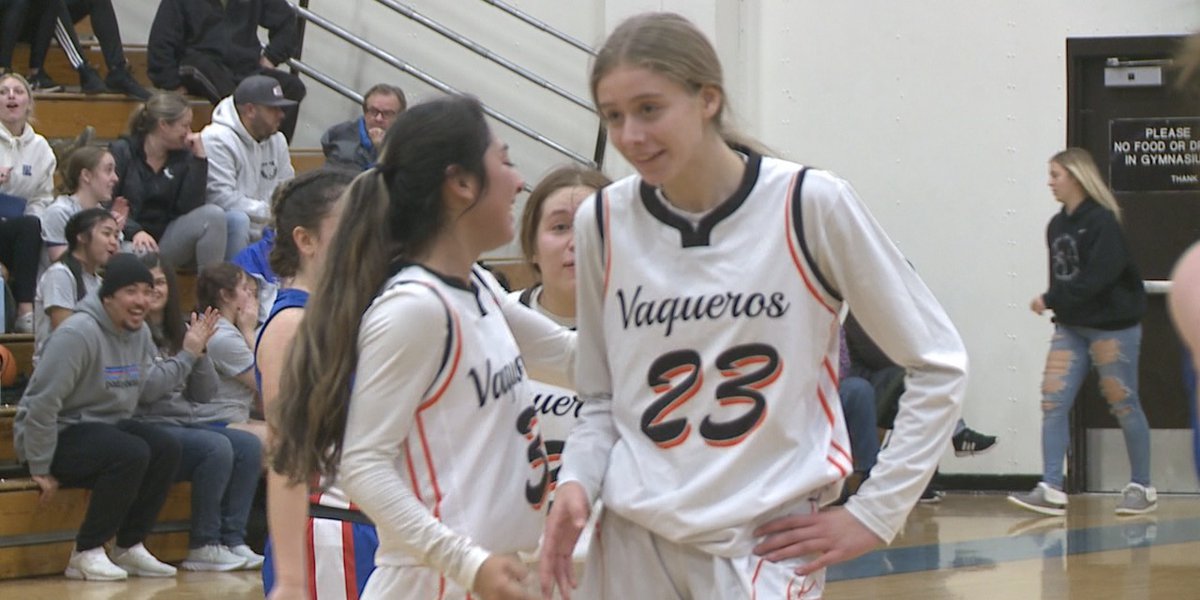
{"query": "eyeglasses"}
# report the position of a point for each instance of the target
(381, 114)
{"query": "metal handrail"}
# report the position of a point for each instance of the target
(531, 20)
(328, 81)
(431, 81)
(484, 52)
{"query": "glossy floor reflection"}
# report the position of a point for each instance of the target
(970, 547)
(981, 548)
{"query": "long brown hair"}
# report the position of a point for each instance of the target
(169, 336)
(672, 46)
(394, 211)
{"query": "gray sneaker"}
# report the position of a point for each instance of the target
(1042, 499)
(1137, 500)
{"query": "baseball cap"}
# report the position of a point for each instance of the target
(261, 90)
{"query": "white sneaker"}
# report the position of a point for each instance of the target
(1137, 499)
(213, 557)
(24, 323)
(253, 559)
(93, 565)
(138, 561)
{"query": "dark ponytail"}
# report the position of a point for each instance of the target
(80, 225)
(394, 211)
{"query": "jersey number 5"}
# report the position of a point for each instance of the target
(535, 493)
(741, 386)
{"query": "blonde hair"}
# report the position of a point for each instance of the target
(1078, 162)
(28, 92)
(672, 46)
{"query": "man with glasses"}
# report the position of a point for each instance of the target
(355, 144)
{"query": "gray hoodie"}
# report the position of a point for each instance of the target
(92, 371)
(190, 401)
(243, 172)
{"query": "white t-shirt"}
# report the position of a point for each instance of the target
(231, 356)
(56, 289)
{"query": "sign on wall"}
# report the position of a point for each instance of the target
(1154, 155)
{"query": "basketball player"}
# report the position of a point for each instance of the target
(709, 287)
(548, 243)
(410, 388)
(328, 556)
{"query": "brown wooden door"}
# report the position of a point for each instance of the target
(1124, 107)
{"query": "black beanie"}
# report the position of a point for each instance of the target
(122, 270)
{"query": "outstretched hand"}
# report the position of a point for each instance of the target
(568, 517)
(833, 535)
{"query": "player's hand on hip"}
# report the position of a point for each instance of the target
(832, 536)
(503, 577)
(568, 517)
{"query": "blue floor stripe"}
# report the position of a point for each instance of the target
(1051, 542)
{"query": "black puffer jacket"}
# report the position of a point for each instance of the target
(156, 199)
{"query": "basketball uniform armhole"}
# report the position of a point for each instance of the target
(448, 347)
(798, 227)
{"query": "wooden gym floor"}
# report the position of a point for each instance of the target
(973, 547)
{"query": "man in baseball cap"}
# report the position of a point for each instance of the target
(247, 157)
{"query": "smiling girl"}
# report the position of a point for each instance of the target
(709, 289)
(87, 182)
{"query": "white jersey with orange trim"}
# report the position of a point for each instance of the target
(708, 357)
(442, 449)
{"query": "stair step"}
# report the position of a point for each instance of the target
(60, 70)
(64, 115)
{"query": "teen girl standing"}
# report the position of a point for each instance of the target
(424, 415)
(332, 554)
(1098, 301)
(709, 290)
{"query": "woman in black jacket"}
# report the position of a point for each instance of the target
(163, 173)
(1098, 301)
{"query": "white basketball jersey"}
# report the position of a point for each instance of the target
(722, 343)
(474, 455)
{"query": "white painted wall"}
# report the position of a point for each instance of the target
(942, 113)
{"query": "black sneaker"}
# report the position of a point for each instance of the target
(969, 442)
(41, 82)
(931, 495)
(90, 81)
(121, 81)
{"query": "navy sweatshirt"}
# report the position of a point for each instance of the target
(1093, 281)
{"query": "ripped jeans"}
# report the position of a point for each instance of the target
(1073, 350)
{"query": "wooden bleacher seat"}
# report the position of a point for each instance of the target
(36, 538)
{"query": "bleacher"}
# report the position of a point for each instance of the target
(36, 538)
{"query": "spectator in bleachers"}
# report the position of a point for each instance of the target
(205, 48)
(224, 464)
(91, 236)
(87, 182)
(355, 144)
(12, 19)
(231, 291)
(57, 18)
(247, 156)
(163, 172)
(26, 187)
(73, 424)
